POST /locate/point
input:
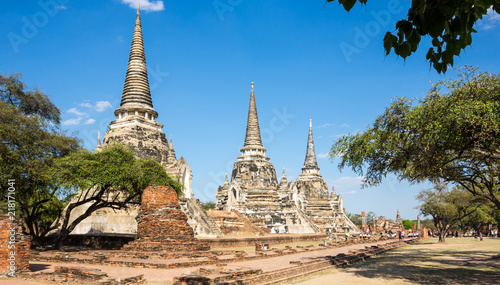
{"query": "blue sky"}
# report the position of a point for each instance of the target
(308, 60)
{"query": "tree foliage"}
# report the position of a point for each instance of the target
(355, 218)
(112, 178)
(447, 207)
(31, 141)
(449, 24)
(452, 135)
(208, 205)
(407, 224)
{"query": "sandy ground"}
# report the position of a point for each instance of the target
(458, 261)
(165, 276)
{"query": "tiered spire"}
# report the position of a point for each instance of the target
(99, 145)
(136, 91)
(283, 177)
(253, 148)
(171, 158)
(310, 162)
(226, 181)
(252, 137)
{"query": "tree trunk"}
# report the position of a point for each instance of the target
(442, 236)
(63, 234)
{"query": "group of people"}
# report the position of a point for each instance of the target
(402, 234)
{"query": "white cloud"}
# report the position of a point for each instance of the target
(61, 7)
(89, 121)
(71, 122)
(146, 5)
(347, 184)
(102, 106)
(99, 105)
(324, 126)
(86, 104)
(323, 155)
(489, 21)
(79, 117)
(76, 112)
(344, 126)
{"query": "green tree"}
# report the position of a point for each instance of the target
(31, 141)
(481, 217)
(447, 207)
(449, 24)
(208, 205)
(355, 218)
(407, 224)
(452, 137)
(112, 178)
(369, 218)
(428, 224)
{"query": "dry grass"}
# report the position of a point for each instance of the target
(458, 261)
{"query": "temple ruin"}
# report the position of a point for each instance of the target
(136, 126)
(286, 207)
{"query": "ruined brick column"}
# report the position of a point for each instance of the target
(161, 225)
(14, 257)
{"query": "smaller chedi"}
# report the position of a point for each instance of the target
(304, 206)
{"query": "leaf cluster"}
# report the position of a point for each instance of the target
(452, 135)
(448, 23)
(114, 167)
(31, 142)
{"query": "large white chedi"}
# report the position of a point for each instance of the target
(136, 126)
(304, 206)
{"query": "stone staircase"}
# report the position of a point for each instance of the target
(203, 225)
(308, 221)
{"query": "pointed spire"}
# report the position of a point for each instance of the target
(253, 131)
(333, 191)
(171, 145)
(310, 161)
(226, 181)
(99, 145)
(283, 177)
(136, 91)
(99, 139)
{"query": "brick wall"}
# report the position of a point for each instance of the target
(161, 224)
(14, 246)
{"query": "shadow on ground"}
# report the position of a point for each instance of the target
(425, 266)
(34, 267)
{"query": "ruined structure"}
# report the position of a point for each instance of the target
(136, 126)
(286, 207)
(253, 190)
(389, 225)
(310, 193)
(162, 226)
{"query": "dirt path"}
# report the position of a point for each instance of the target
(458, 261)
(165, 276)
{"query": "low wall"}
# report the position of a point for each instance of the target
(96, 241)
(14, 246)
(271, 240)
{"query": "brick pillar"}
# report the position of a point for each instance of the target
(14, 246)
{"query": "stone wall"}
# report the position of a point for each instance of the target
(271, 240)
(14, 246)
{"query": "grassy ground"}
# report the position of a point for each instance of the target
(458, 261)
